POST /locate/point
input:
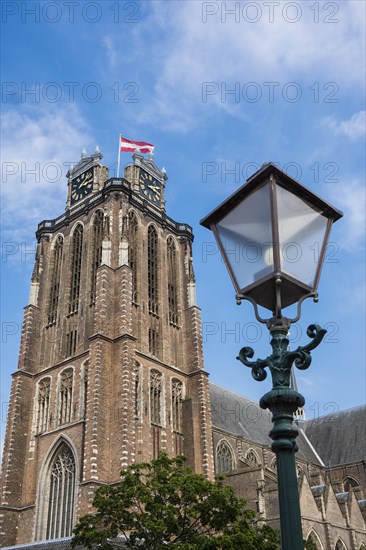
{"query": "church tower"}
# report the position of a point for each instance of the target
(110, 366)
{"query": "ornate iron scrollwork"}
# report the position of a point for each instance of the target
(281, 360)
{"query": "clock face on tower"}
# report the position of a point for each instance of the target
(82, 185)
(150, 187)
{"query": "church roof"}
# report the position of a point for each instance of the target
(339, 438)
(238, 415)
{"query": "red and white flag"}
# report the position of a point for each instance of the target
(129, 146)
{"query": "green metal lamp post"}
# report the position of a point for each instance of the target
(279, 232)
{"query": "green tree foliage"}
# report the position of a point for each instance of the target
(164, 504)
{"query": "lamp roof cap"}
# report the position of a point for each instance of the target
(259, 178)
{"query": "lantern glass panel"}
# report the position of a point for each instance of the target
(246, 238)
(301, 234)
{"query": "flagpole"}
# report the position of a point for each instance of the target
(119, 154)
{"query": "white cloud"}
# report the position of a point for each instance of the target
(38, 145)
(191, 52)
(353, 128)
(110, 50)
(351, 236)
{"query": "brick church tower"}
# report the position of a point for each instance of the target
(110, 366)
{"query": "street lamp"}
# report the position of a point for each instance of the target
(272, 234)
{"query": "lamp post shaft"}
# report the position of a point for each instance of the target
(290, 516)
(283, 402)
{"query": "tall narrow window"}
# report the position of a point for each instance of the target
(177, 397)
(65, 396)
(224, 458)
(172, 281)
(43, 402)
(71, 341)
(152, 270)
(156, 390)
(55, 280)
(340, 545)
(96, 252)
(153, 342)
(132, 253)
(137, 375)
(60, 517)
(77, 245)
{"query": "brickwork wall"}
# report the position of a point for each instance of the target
(103, 431)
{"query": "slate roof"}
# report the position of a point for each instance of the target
(238, 415)
(339, 438)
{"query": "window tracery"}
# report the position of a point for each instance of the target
(252, 457)
(65, 396)
(156, 390)
(224, 458)
(177, 398)
(60, 515)
(43, 402)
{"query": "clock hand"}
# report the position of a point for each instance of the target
(86, 181)
(153, 187)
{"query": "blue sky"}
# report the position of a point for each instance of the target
(219, 88)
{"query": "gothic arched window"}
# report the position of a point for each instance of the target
(132, 252)
(172, 281)
(76, 254)
(156, 394)
(60, 516)
(96, 252)
(340, 545)
(224, 458)
(152, 270)
(55, 280)
(65, 396)
(315, 540)
(252, 457)
(350, 482)
(43, 404)
(177, 398)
